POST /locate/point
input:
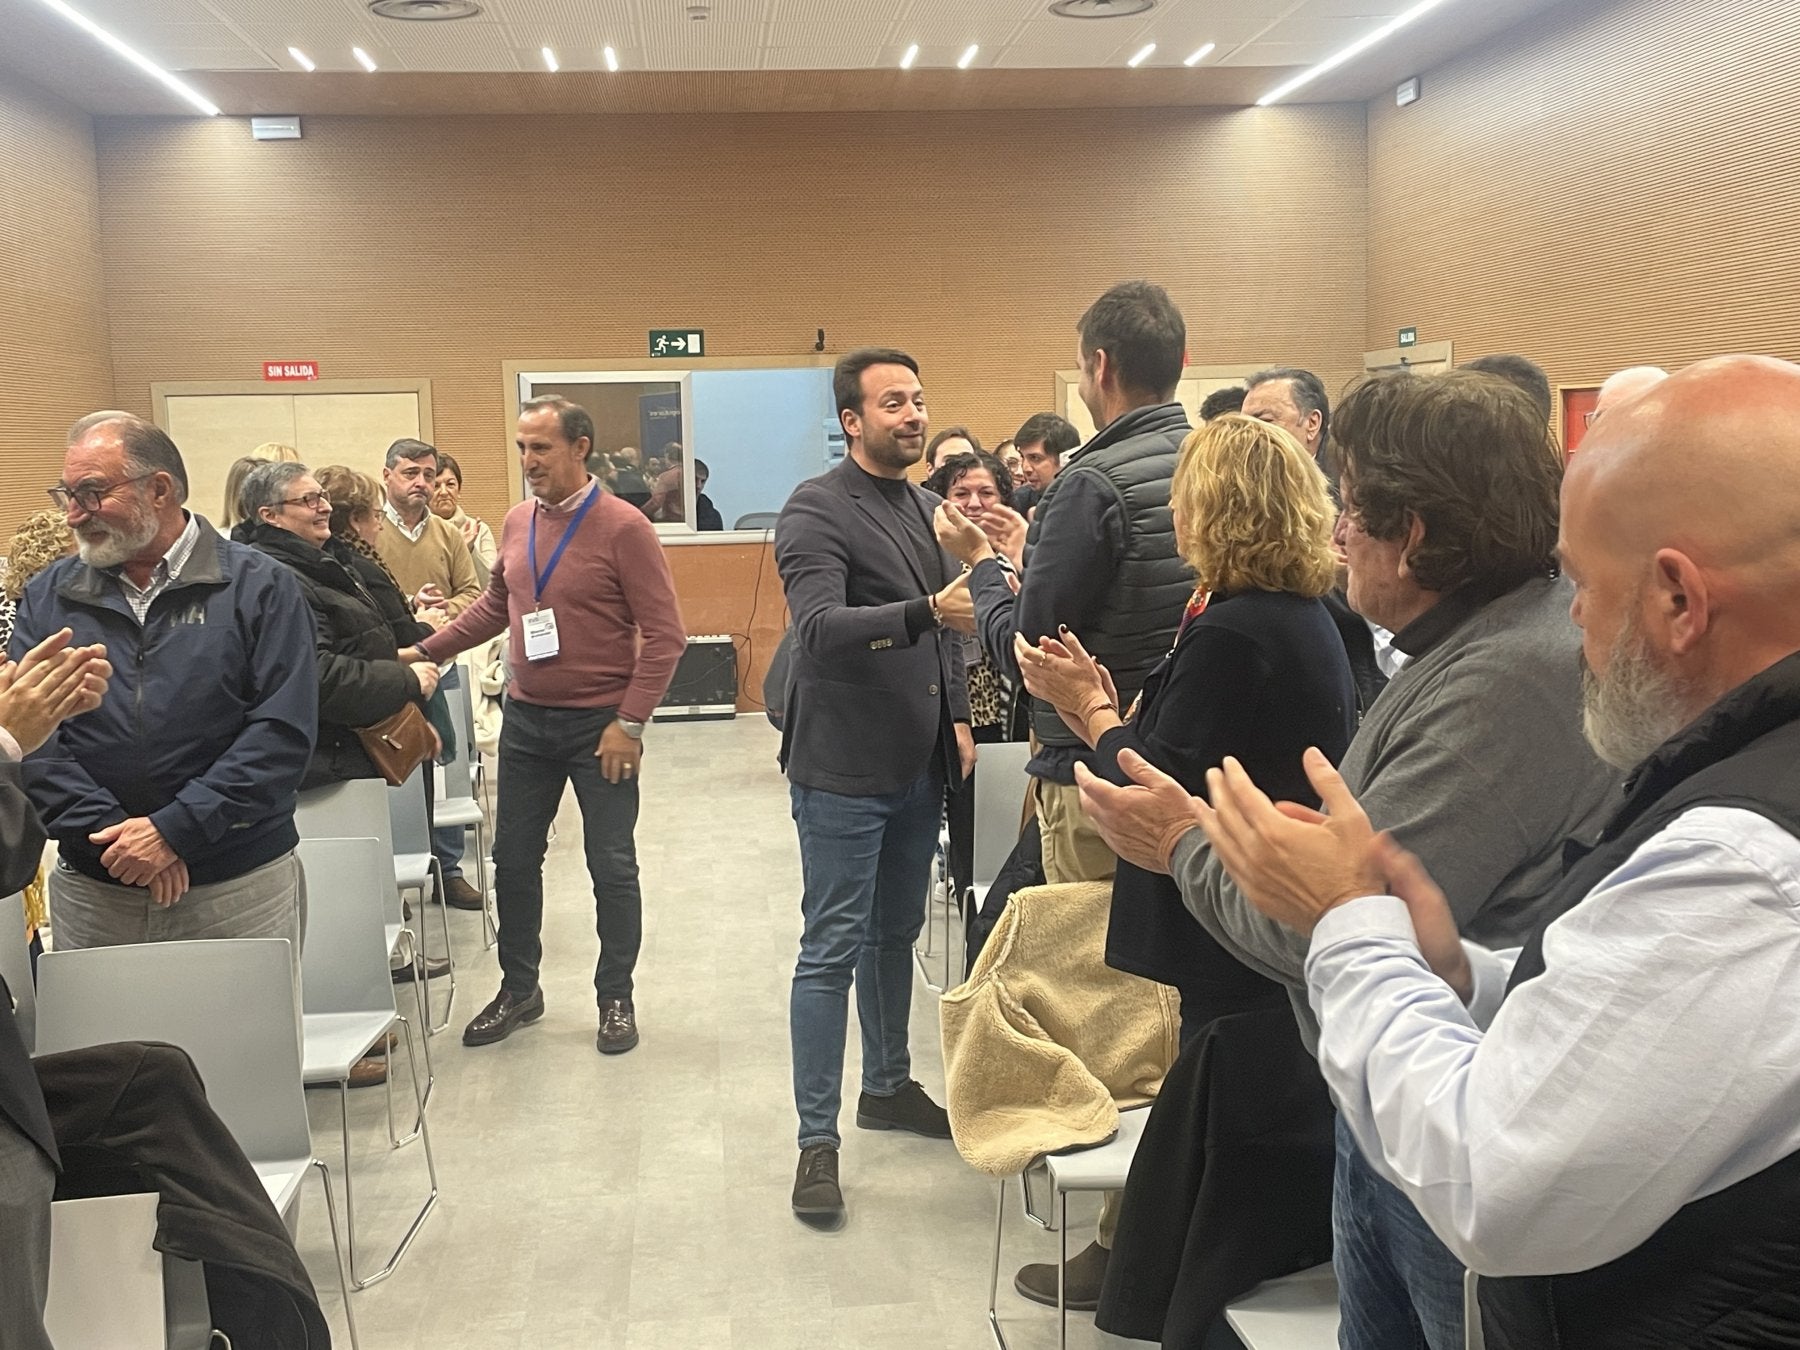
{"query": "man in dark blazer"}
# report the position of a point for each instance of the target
(876, 719)
(51, 682)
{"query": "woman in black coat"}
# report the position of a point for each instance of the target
(361, 678)
(1258, 671)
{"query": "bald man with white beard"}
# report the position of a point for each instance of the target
(1604, 1123)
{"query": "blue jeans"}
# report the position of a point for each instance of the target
(866, 862)
(1399, 1287)
(449, 842)
(541, 750)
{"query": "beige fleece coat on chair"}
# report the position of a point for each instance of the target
(1045, 1042)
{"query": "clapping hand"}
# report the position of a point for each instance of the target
(1061, 673)
(51, 682)
(1293, 863)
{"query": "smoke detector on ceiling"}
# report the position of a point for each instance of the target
(699, 9)
(1100, 9)
(424, 11)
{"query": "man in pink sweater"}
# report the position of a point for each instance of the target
(594, 632)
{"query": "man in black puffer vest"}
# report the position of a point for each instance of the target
(1100, 558)
(1615, 1148)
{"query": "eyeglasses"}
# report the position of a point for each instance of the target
(312, 501)
(90, 498)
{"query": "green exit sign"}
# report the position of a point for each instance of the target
(1409, 337)
(677, 342)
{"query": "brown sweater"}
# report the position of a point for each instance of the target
(611, 589)
(438, 557)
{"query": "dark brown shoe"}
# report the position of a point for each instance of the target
(458, 894)
(1082, 1279)
(505, 1014)
(369, 1071)
(818, 1200)
(618, 1027)
(435, 966)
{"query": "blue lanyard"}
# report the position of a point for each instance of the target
(542, 579)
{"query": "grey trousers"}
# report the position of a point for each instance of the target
(27, 1181)
(269, 902)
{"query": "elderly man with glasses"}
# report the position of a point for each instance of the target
(172, 803)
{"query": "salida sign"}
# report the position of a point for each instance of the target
(290, 370)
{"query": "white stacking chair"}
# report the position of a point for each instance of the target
(15, 967)
(1295, 1312)
(354, 810)
(1000, 785)
(1102, 1168)
(415, 869)
(456, 802)
(349, 999)
(229, 1003)
(109, 1286)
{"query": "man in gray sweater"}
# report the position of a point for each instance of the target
(1473, 755)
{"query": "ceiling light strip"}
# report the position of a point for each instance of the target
(612, 59)
(964, 61)
(550, 60)
(304, 61)
(363, 59)
(912, 54)
(1200, 55)
(1354, 50)
(1143, 55)
(137, 58)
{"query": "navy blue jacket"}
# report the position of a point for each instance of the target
(208, 723)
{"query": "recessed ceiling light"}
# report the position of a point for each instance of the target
(1200, 55)
(1354, 50)
(550, 60)
(304, 61)
(1143, 55)
(912, 54)
(137, 58)
(363, 59)
(963, 61)
(612, 59)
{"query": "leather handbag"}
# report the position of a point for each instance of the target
(398, 744)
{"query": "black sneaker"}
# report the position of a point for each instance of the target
(908, 1109)
(817, 1198)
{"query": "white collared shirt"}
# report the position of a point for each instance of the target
(569, 503)
(167, 568)
(1656, 1060)
(412, 532)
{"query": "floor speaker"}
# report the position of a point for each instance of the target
(705, 683)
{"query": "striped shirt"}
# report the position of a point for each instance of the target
(164, 572)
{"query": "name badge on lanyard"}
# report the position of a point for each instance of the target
(541, 639)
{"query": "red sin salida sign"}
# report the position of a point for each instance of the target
(290, 370)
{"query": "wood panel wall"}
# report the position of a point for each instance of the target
(441, 247)
(1610, 184)
(733, 589)
(55, 354)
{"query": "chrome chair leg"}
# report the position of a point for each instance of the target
(338, 1247)
(994, 1278)
(431, 1199)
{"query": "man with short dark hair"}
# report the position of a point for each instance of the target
(427, 556)
(1230, 399)
(1522, 372)
(1101, 558)
(876, 723)
(1043, 439)
(1449, 527)
(172, 803)
(594, 634)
